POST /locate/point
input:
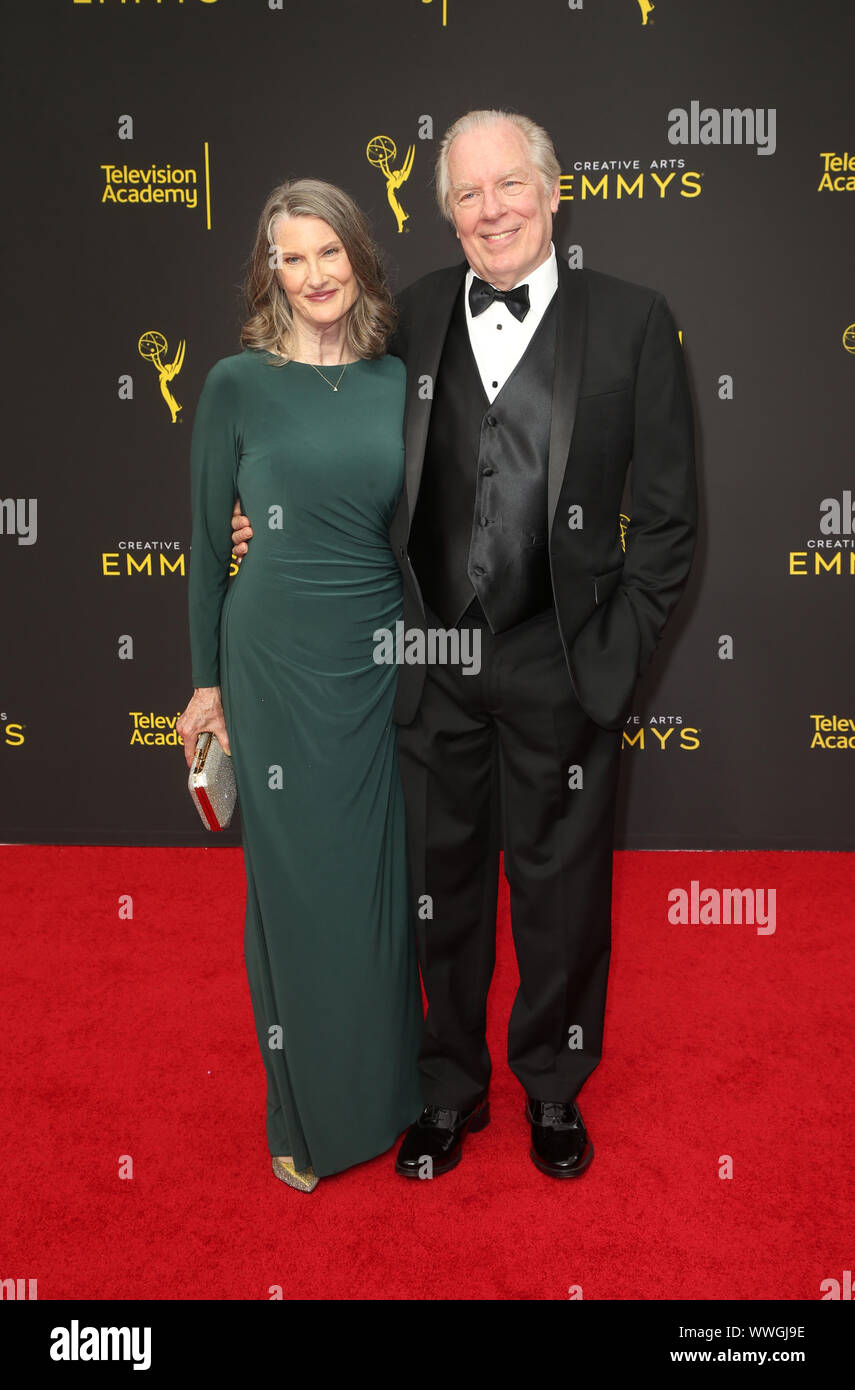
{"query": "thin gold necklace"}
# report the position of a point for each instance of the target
(326, 378)
(317, 369)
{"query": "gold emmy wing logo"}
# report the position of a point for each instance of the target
(623, 523)
(152, 347)
(645, 6)
(380, 151)
(849, 338)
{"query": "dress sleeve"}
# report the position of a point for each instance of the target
(214, 457)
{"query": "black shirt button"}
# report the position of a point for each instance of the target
(491, 420)
(484, 521)
(487, 472)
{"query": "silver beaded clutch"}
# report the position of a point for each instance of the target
(212, 783)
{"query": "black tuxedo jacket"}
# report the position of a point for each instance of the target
(620, 396)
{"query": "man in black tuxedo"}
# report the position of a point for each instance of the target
(531, 389)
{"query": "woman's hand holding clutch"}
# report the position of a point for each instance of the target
(203, 714)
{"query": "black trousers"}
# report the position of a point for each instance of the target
(507, 758)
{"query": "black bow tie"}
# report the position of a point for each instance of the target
(481, 296)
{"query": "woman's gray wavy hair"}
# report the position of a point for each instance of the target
(540, 146)
(270, 324)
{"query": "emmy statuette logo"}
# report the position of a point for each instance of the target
(152, 347)
(380, 151)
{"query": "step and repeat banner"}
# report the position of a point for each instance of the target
(706, 150)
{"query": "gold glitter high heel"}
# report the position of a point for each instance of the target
(304, 1181)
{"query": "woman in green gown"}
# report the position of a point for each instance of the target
(305, 426)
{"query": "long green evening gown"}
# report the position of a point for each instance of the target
(329, 938)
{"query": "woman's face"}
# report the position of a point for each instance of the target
(314, 271)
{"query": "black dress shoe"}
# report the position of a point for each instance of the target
(559, 1141)
(438, 1135)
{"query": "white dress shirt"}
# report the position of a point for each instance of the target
(498, 339)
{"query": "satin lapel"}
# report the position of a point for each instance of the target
(427, 339)
(569, 360)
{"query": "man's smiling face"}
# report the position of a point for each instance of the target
(501, 211)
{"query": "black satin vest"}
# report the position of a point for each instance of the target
(480, 525)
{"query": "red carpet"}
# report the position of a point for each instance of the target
(135, 1037)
